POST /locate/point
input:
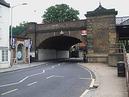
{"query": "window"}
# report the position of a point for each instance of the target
(4, 55)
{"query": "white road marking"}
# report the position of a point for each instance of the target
(58, 76)
(30, 84)
(93, 80)
(84, 93)
(85, 78)
(15, 83)
(87, 70)
(58, 64)
(43, 71)
(50, 77)
(53, 67)
(9, 92)
(23, 79)
(92, 83)
(35, 74)
(9, 84)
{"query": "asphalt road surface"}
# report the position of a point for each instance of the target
(49, 80)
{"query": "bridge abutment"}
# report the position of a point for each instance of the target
(101, 33)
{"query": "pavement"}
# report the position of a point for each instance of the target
(109, 84)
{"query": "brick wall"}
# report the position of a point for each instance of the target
(103, 30)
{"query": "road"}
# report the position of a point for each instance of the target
(49, 80)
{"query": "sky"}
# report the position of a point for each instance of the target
(34, 9)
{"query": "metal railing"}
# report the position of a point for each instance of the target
(119, 48)
(126, 60)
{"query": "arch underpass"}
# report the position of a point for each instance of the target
(56, 47)
(53, 41)
(59, 43)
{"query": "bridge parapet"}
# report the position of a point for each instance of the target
(65, 26)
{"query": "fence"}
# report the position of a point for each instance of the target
(126, 60)
(120, 53)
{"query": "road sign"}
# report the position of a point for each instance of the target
(84, 32)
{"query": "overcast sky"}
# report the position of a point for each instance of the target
(35, 8)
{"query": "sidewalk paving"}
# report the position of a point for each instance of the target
(110, 85)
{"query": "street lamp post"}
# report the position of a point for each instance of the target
(11, 26)
(11, 36)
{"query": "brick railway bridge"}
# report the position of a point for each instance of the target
(52, 41)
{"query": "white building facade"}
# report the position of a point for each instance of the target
(4, 34)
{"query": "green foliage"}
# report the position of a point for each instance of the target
(19, 29)
(60, 13)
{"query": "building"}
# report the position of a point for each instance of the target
(4, 34)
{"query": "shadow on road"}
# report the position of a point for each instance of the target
(69, 60)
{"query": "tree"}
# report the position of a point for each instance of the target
(60, 13)
(19, 29)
